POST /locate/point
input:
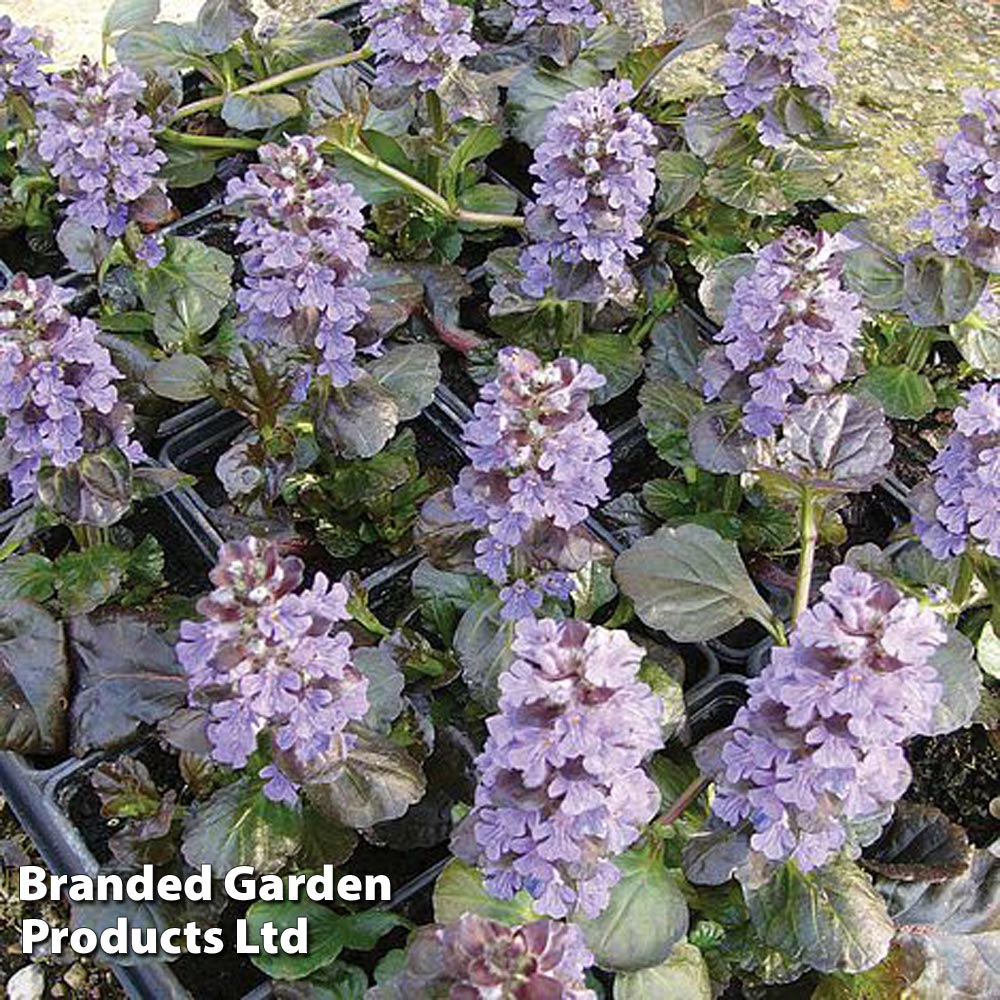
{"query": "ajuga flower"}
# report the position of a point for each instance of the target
(22, 55)
(57, 392)
(965, 507)
(306, 257)
(266, 658)
(417, 42)
(578, 13)
(595, 183)
(561, 786)
(966, 179)
(815, 759)
(774, 44)
(473, 958)
(792, 326)
(98, 144)
(538, 458)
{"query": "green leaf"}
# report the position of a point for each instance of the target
(988, 651)
(690, 583)
(377, 782)
(477, 145)
(239, 825)
(187, 291)
(254, 112)
(646, 916)
(716, 288)
(459, 889)
(876, 275)
(85, 579)
(221, 22)
(188, 166)
(535, 91)
(181, 377)
(831, 919)
(683, 975)
(938, 290)
(411, 373)
(920, 845)
(901, 392)
(137, 321)
(385, 686)
(308, 41)
(329, 933)
(666, 408)
(978, 338)
(31, 576)
(492, 199)
(614, 356)
(768, 192)
(123, 15)
(482, 644)
(125, 788)
(680, 175)
(960, 680)
(160, 46)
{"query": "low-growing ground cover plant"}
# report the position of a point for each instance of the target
(608, 397)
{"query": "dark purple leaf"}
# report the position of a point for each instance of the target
(34, 679)
(127, 675)
(920, 845)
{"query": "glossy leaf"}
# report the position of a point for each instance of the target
(181, 377)
(378, 781)
(831, 919)
(358, 419)
(329, 933)
(960, 680)
(256, 112)
(646, 917)
(482, 644)
(920, 844)
(949, 932)
(683, 975)
(127, 676)
(411, 373)
(939, 290)
(690, 583)
(459, 889)
(900, 391)
(34, 679)
(238, 825)
(680, 175)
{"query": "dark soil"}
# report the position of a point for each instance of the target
(960, 774)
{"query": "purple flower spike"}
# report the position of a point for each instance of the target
(966, 179)
(57, 391)
(22, 55)
(966, 486)
(792, 327)
(98, 144)
(417, 42)
(774, 44)
(473, 958)
(576, 13)
(561, 786)
(537, 458)
(595, 184)
(266, 658)
(306, 258)
(816, 754)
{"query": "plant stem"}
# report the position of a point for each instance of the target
(685, 799)
(808, 532)
(426, 194)
(272, 82)
(208, 141)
